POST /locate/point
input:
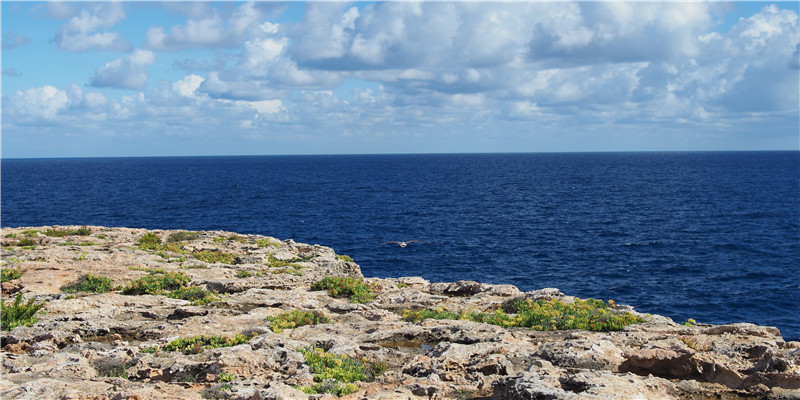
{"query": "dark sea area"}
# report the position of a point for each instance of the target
(713, 236)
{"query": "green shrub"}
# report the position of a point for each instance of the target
(7, 274)
(18, 313)
(182, 236)
(90, 283)
(295, 318)
(335, 373)
(243, 273)
(355, 289)
(344, 257)
(197, 295)
(157, 283)
(275, 263)
(591, 314)
(27, 242)
(83, 231)
(211, 256)
(149, 241)
(10, 235)
(196, 344)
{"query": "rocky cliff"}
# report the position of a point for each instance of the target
(136, 314)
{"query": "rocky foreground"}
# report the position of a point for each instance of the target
(116, 346)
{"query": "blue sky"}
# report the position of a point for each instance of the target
(105, 79)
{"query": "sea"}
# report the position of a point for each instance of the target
(713, 236)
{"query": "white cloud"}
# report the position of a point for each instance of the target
(42, 102)
(125, 73)
(80, 32)
(188, 86)
(206, 30)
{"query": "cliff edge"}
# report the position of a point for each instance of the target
(121, 313)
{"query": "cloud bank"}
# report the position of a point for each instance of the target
(525, 76)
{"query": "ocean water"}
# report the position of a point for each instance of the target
(713, 236)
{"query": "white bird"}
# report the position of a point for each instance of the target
(401, 244)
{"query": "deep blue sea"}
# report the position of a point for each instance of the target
(713, 236)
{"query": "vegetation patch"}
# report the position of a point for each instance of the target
(196, 344)
(333, 373)
(590, 314)
(157, 283)
(243, 273)
(197, 295)
(183, 236)
(83, 231)
(18, 313)
(344, 257)
(7, 274)
(90, 283)
(267, 242)
(293, 319)
(27, 242)
(355, 289)
(212, 257)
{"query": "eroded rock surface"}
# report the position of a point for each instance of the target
(106, 346)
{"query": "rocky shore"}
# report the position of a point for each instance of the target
(247, 318)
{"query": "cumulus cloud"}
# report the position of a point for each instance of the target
(42, 102)
(206, 30)
(129, 72)
(88, 29)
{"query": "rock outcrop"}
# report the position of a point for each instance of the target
(114, 346)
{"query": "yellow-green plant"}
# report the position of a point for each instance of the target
(157, 283)
(333, 373)
(293, 319)
(7, 274)
(197, 295)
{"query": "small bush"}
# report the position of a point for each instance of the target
(196, 344)
(83, 231)
(182, 236)
(7, 274)
(197, 295)
(344, 257)
(90, 283)
(212, 257)
(27, 242)
(355, 289)
(157, 283)
(243, 274)
(335, 373)
(149, 241)
(18, 313)
(275, 263)
(293, 319)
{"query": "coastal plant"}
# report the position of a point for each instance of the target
(83, 231)
(212, 257)
(27, 242)
(267, 242)
(149, 241)
(689, 322)
(18, 313)
(157, 283)
(541, 315)
(197, 295)
(293, 319)
(196, 344)
(10, 236)
(276, 263)
(8, 274)
(243, 273)
(344, 257)
(182, 236)
(89, 283)
(334, 373)
(354, 289)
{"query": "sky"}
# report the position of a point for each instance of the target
(111, 79)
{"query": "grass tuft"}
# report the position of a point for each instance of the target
(196, 344)
(157, 283)
(8, 274)
(333, 372)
